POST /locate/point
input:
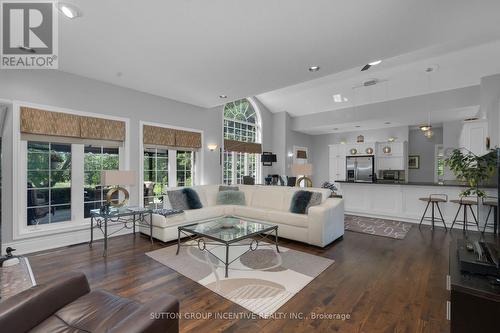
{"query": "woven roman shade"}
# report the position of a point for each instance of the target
(102, 129)
(187, 139)
(57, 124)
(161, 136)
(35, 121)
(169, 137)
(242, 147)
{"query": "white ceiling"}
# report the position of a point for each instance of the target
(195, 50)
(400, 77)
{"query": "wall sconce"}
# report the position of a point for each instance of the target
(353, 151)
(387, 150)
(369, 150)
(212, 146)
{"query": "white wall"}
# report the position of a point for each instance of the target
(420, 145)
(490, 106)
(284, 139)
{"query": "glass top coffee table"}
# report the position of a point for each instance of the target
(227, 231)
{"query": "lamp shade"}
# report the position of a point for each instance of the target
(302, 169)
(118, 177)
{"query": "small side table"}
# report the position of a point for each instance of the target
(128, 217)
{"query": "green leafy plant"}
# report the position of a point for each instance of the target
(474, 170)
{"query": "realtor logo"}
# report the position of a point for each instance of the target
(29, 35)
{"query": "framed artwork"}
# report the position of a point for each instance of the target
(414, 162)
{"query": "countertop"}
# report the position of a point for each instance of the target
(447, 183)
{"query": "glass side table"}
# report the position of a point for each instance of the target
(127, 217)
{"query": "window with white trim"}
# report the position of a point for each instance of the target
(155, 174)
(185, 163)
(241, 123)
(53, 168)
(48, 183)
(163, 167)
(96, 160)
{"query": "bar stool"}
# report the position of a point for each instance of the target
(465, 202)
(434, 199)
(492, 203)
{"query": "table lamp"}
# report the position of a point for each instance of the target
(302, 170)
(117, 178)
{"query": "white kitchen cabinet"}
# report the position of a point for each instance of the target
(473, 136)
(396, 159)
(337, 162)
(391, 163)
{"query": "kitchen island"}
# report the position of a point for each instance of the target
(400, 201)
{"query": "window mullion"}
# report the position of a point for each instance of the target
(233, 167)
(172, 168)
(77, 182)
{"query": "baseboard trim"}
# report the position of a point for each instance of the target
(30, 245)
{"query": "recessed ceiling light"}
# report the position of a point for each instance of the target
(222, 96)
(370, 64)
(68, 10)
(335, 129)
(313, 68)
(387, 123)
(357, 126)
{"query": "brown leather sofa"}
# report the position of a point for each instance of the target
(67, 305)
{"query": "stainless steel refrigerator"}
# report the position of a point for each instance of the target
(360, 169)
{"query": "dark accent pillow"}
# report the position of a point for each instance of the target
(228, 188)
(300, 201)
(192, 198)
(178, 200)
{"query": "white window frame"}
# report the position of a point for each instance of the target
(120, 150)
(156, 165)
(197, 165)
(439, 148)
(19, 175)
(258, 139)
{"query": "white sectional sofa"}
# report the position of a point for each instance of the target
(322, 225)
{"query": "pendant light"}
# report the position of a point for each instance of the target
(427, 128)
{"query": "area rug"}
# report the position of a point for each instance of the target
(377, 227)
(261, 281)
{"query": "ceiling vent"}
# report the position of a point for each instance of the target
(471, 119)
(370, 82)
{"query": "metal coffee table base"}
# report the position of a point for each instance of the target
(202, 244)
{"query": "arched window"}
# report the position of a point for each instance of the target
(241, 123)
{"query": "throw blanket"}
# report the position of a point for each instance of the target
(168, 212)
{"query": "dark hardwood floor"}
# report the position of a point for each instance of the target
(385, 285)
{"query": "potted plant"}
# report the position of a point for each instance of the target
(474, 170)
